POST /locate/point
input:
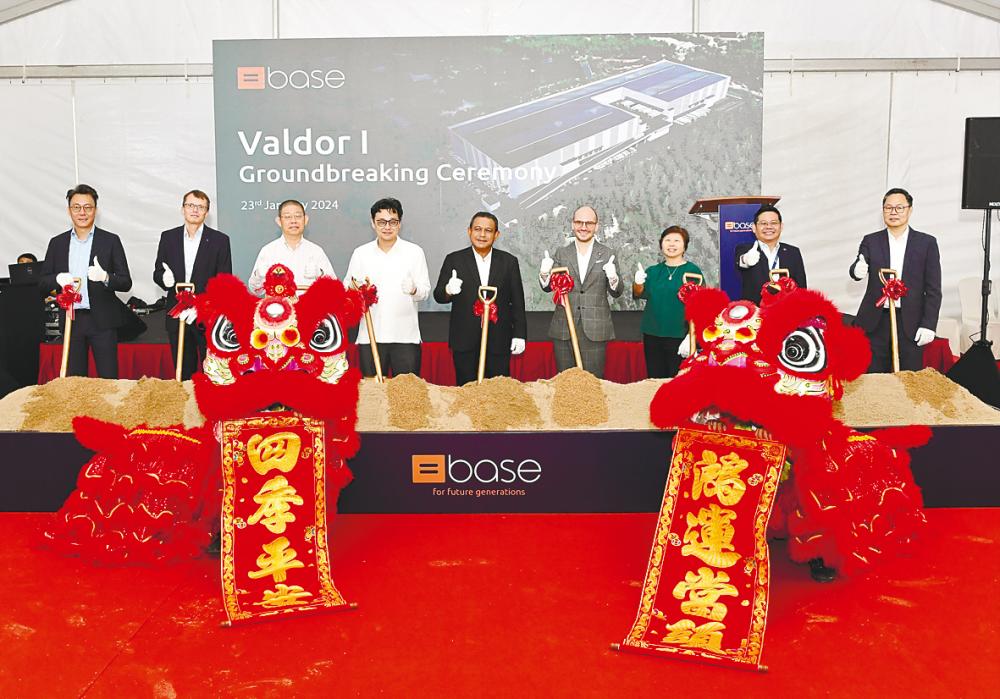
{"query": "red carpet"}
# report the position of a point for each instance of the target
(494, 605)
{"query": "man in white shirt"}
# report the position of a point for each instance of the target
(916, 259)
(305, 258)
(398, 269)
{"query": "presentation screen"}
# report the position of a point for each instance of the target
(525, 127)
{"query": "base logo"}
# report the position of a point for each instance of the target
(491, 473)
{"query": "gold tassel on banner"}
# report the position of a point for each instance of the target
(487, 294)
(179, 359)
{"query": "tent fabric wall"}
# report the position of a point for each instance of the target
(833, 142)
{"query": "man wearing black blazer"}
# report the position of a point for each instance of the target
(462, 273)
(97, 258)
(915, 257)
(192, 253)
(754, 261)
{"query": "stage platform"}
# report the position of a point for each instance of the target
(512, 472)
(494, 606)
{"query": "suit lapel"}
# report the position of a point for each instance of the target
(883, 246)
(598, 257)
(199, 255)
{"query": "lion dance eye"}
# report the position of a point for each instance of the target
(259, 338)
(224, 335)
(327, 336)
(804, 351)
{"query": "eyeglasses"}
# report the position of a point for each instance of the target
(77, 208)
(587, 224)
(767, 224)
(292, 217)
(895, 209)
(190, 206)
(387, 223)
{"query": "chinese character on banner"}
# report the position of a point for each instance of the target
(274, 552)
(705, 593)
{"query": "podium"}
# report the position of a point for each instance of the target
(735, 217)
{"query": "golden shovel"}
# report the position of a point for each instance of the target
(699, 280)
(371, 336)
(179, 361)
(487, 294)
(67, 332)
(884, 275)
(569, 319)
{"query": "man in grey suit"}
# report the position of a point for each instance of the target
(592, 266)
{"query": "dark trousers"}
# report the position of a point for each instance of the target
(911, 357)
(194, 348)
(86, 336)
(467, 365)
(395, 357)
(662, 360)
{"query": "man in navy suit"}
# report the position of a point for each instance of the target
(192, 253)
(97, 258)
(462, 273)
(754, 261)
(915, 258)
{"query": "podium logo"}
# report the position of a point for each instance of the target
(428, 468)
(443, 468)
(738, 226)
(261, 77)
(250, 78)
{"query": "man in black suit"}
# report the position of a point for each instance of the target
(462, 273)
(97, 258)
(192, 253)
(754, 261)
(915, 257)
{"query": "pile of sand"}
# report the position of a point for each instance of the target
(573, 400)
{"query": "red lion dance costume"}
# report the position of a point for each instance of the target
(152, 494)
(851, 498)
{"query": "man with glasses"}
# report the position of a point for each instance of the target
(754, 261)
(97, 258)
(305, 258)
(915, 257)
(192, 253)
(595, 277)
(398, 269)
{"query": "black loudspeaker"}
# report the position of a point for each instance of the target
(977, 372)
(981, 178)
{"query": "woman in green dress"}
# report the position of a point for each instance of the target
(663, 325)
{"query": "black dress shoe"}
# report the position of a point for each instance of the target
(820, 572)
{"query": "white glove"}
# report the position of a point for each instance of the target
(516, 345)
(861, 267)
(95, 273)
(64, 279)
(168, 277)
(611, 271)
(454, 285)
(640, 274)
(188, 315)
(407, 285)
(684, 349)
(750, 257)
(312, 270)
(546, 268)
(923, 337)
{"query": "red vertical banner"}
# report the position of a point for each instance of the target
(705, 593)
(275, 559)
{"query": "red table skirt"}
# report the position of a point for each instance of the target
(625, 362)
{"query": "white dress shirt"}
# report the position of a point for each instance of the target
(897, 252)
(771, 254)
(191, 251)
(483, 264)
(394, 317)
(583, 258)
(307, 255)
